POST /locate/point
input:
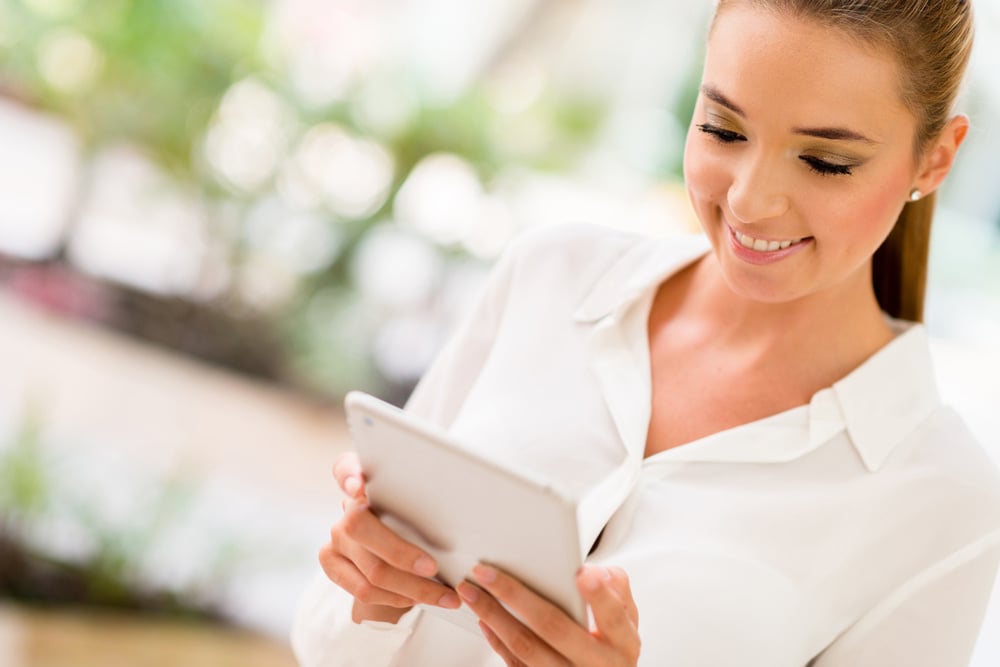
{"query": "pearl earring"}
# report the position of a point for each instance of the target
(916, 194)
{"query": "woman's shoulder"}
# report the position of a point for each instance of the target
(943, 450)
(583, 253)
(946, 440)
(573, 242)
(565, 258)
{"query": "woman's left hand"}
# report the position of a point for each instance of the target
(545, 635)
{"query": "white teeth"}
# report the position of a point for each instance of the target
(761, 245)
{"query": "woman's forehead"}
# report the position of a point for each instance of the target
(781, 67)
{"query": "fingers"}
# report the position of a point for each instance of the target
(385, 577)
(498, 646)
(515, 642)
(388, 562)
(547, 620)
(620, 584)
(343, 572)
(363, 527)
(370, 561)
(615, 615)
(526, 629)
(350, 479)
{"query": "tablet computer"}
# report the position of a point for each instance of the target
(463, 508)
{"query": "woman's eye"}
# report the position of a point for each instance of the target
(816, 164)
(826, 168)
(721, 135)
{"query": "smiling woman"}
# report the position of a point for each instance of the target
(828, 168)
(766, 473)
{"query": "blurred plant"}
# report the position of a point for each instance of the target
(148, 72)
(24, 489)
(107, 566)
(290, 185)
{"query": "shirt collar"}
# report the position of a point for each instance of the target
(878, 404)
(642, 267)
(890, 394)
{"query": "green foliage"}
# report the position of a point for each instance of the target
(108, 571)
(24, 487)
(329, 336)
(157, 74)
(119, 549)
(162, 67)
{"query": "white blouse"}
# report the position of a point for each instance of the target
(862, 529)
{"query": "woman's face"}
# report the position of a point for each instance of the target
(800, 155)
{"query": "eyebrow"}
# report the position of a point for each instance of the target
(835, 133)
(716, 96)
(832, 133)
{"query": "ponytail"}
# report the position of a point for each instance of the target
(899, 268)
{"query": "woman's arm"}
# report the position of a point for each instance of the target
(332, 629)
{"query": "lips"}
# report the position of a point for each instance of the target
(765, 251)
(764, 245)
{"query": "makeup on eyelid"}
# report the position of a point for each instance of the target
(722, 122)
(831, 165)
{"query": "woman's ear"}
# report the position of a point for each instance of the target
(940, 156)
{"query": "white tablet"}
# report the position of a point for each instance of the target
(463, 508)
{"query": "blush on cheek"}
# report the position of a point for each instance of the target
(880, 209)
(706, 177)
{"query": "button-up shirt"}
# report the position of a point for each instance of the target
(862, 528)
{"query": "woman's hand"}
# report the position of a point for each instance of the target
(546, 635)
(385, 574)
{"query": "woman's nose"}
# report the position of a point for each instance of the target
(758, 191)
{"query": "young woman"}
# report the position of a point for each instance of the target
(768, 474)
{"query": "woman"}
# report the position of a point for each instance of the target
(768, 475)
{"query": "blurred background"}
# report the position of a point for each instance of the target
(217, 217)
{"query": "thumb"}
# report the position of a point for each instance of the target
(350, 479)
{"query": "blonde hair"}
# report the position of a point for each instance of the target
(931, 41)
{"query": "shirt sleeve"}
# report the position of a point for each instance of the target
(324, 634)
(933, 621)
(441, 391)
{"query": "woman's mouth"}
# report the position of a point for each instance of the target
(764, 251)
(761, 245)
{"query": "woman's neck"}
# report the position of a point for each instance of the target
(829, 332)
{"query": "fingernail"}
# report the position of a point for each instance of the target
(484, 574)
(425, 567)
(352, 485)
(449, 600)
(597, 571)
(591, 577)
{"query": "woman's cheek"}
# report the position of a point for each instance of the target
(876, 212)
(706, 175)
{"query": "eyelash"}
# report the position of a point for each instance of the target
(821, 167)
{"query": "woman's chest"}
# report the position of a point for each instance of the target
(755, 564)
(697, 394)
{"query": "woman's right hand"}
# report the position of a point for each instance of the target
(385, 574)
